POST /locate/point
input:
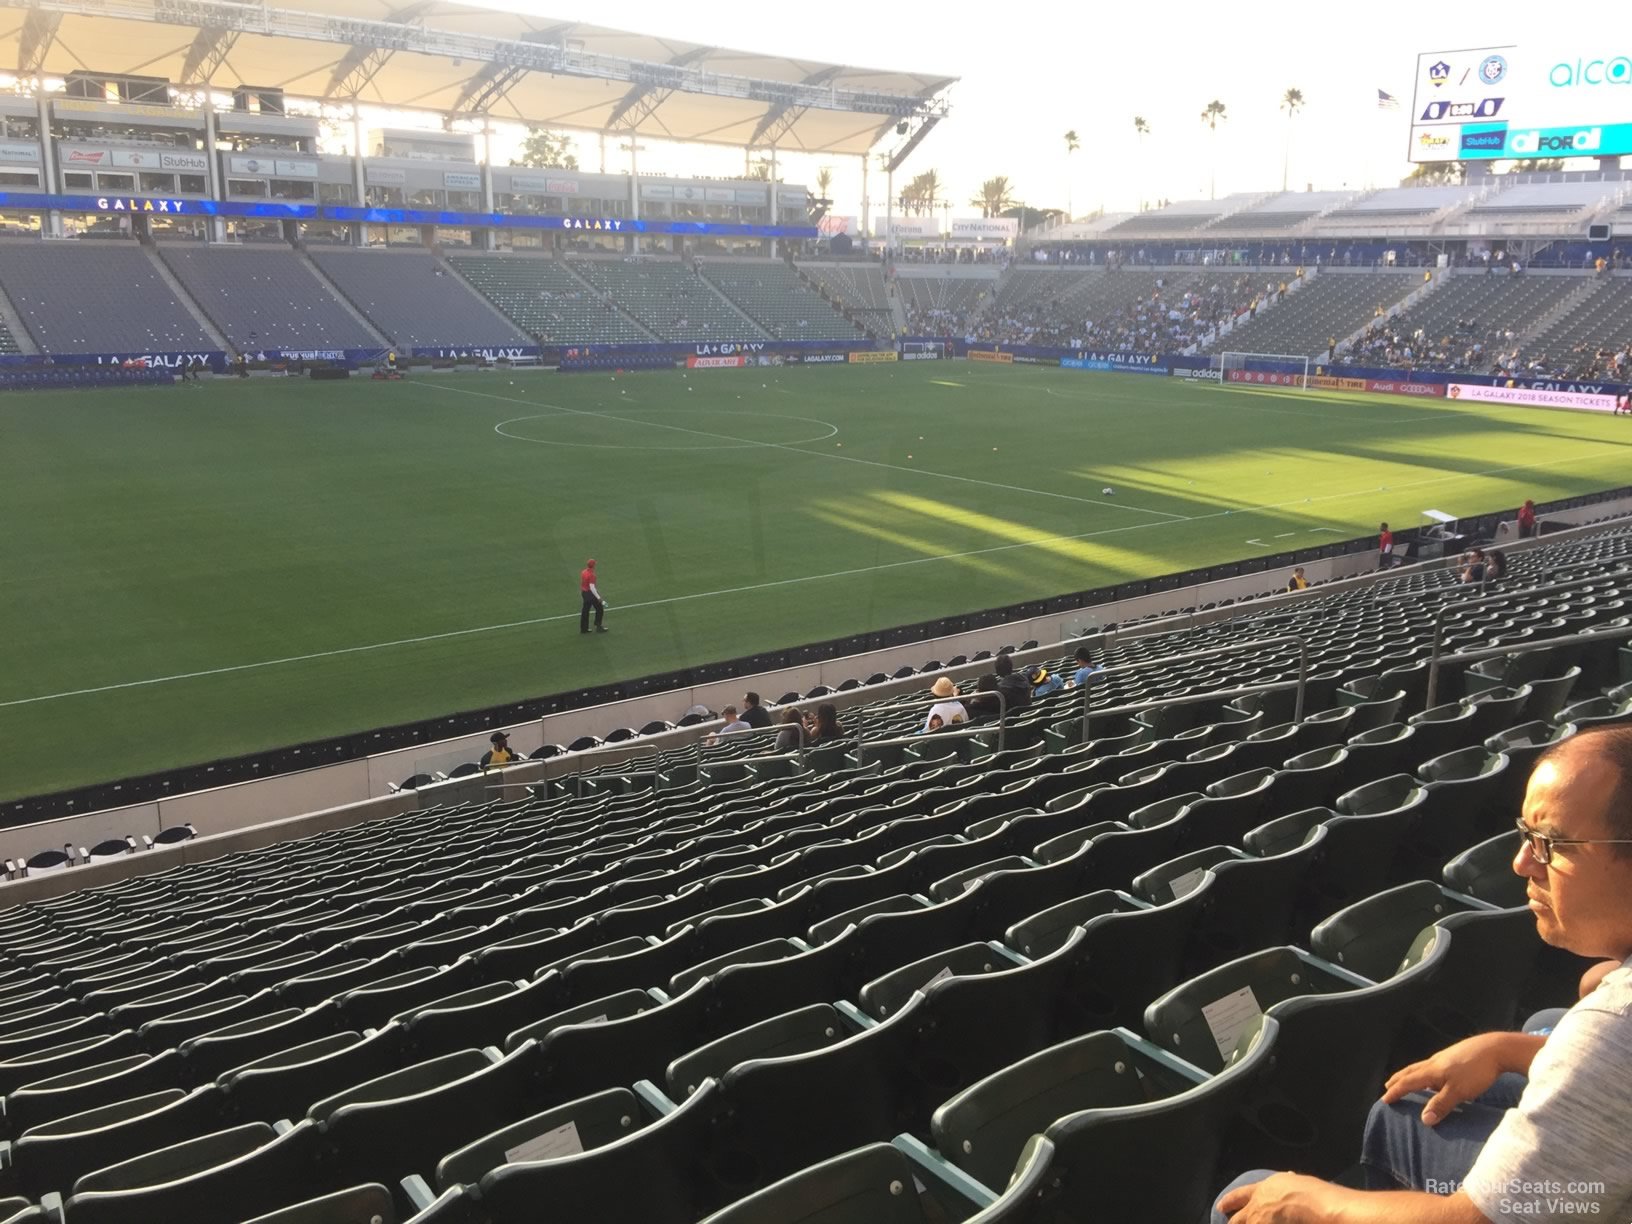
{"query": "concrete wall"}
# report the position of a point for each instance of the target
(356, 787)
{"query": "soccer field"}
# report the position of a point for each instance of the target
(202, 571)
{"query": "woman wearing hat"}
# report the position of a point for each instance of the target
(947, 710)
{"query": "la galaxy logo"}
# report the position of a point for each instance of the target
(1439, 73)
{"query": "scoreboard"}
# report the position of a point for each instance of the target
(1561, 99)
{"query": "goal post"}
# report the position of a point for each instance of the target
(1264, 369)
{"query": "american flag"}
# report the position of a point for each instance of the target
(1387, 101)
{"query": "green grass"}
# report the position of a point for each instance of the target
(268, 562)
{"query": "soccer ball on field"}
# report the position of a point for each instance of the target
(1108, 491)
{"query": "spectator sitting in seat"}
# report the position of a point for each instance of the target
(947, 711)
(984, 704)
(1297, 582)
(1016, 690)
(1476, 1133)
(754, 714)
(1473, 567)
(732, 725)
(787, 739)
(825, 727)
(1043, 681)
(1086, 670)
(500, 753)
(1495, 565)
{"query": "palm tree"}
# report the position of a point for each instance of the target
(1072, 144)
(919, 195)
(995, 197)
(824, 181)
(1141, 129)
(1212, 115)
(1291, 103)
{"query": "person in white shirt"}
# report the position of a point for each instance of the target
(1513, 1128)
(732, 724)
(947, 708)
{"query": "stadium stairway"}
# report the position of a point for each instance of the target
(735, 307)
(760, 989)
(453, 272)
(546, 299)
(16, 338)
(181, 295)
(346, 303)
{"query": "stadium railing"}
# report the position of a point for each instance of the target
(1438, 657)
(252, 814)
(1089, 713)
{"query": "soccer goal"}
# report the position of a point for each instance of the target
(1265, 369)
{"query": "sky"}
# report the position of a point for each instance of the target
(1092, 68)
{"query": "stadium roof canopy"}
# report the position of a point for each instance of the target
(455, 58)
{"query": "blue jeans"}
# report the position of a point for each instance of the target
(1400, 1153)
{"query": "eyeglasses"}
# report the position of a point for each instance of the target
(1541, 844)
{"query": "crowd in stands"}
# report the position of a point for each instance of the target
(939, 321)
(1165, 322)
(1393, 344)
(1000, 255)
(1371, 254)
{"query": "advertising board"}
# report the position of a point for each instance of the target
(1325, 382)
(1532, 396)
(866, 358)
(1000, 229)
(1561, 96)
(1395, 386)
(715, 363)
(1126, 363)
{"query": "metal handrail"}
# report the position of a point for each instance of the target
(1525, 647)
(1161, 703)
(695, 748)
(1481, 601)
(1278, 639)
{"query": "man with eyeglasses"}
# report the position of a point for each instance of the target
(1520, 1128)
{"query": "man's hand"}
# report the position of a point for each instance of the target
(1462, 1072)
(1286, 1198)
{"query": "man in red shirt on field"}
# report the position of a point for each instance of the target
(592, 599)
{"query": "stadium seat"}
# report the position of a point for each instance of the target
(363, 1204)
(656, 1175)
(871, 1185)
(1076, 1168)
(54, 1155)
(796, 1032)
(253, 1167)
(1335, 1034)
(1485, 871)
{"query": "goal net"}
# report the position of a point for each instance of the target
(1264, 369)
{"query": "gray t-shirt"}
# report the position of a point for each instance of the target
(1563, 1153)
